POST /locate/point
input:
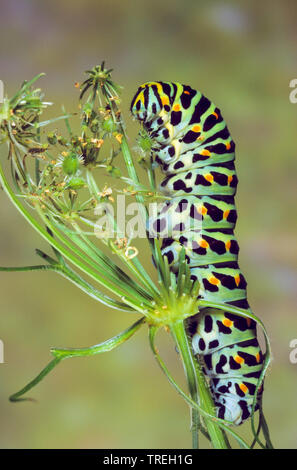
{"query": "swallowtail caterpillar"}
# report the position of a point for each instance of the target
(194, 149)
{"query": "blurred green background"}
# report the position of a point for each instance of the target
(242, 55)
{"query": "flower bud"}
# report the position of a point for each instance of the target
(70, 164)
(109, 125)
(75, 183)
(52, 138)
(94, 125)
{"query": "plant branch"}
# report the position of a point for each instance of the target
(181, 340)
(60, 354)
(194, 375)
(209, 417)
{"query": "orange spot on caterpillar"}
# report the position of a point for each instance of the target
(176, 107)
(228, 323)
(201, 137)
(239, 359)
(258, 357)
(215, 115)
(196, 128)
(165, 100)
(226, 213)
(228, 145)
(186, 92)
(203, 243)
(205, 152)
(248, 321)
(237, 279)
(230, 178)
(209, 177)
(243, 388)
(227, 245)
(202, 210)
(213, 280)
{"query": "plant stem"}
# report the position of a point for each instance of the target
(60, 354)
(133, 175)
(220, 422)
(179, 334)
(218, 437)
(64, 251)
(195, 377)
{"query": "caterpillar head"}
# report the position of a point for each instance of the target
(147, 104)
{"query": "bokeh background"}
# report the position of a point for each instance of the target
(243, 56)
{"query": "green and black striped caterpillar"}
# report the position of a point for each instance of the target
(194, 149)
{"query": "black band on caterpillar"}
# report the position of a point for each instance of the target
(193, 147)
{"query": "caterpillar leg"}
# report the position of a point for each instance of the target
(232, 358)
(229, 405)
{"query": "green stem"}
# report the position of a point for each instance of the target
(106, 346)
(133, 175)
(68, 255)
(195, 376)
(134, 265)
(50, 366)
(247, 314)
(180, 337)
(60, 354)
(73, 277)
(217, 435)
(223, 424)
